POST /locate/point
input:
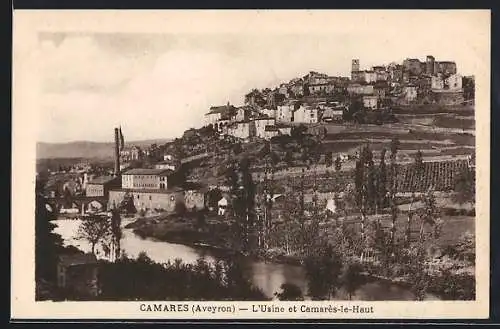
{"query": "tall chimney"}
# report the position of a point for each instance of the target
(117, 152)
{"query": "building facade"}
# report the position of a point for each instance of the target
(429, 65)
(445, 67)
(413, 66)
(370, 101)
(306, 114)
(241, 130)
(437, 83)
(260, 126)
(269, 112)
(454, 82)
(270, 132)
(410, 93)
(164, 200)
(194, 199)
(145, 179)
(100, 186)
(370, 76)
(284, 113)
(359, 89)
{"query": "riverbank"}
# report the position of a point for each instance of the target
(216, 240)
(182, 231)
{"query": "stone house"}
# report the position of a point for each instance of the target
(284, 113)
(241, 130)
(332, 115)
(149, 199)
(270, 132)
(260, 126)
(360, 89)
(306, 114)
(410, 93)
(100, 186)
(454, 82)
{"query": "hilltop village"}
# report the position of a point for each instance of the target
(302, 163)
(317, 105)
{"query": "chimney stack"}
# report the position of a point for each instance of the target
(117, 153)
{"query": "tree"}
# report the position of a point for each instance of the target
(305, 89)
(298, 132)
(127, 204)
(419, 164)
(466, 248)
(323, 271)
(352, 278)
(289, 292)
(213, 197)
(95, 230)
(237, 149)
(275, 159)
(329, 159)
(47, 243)
(116, 231)
(68, 198)
(382, 181)
(395, 143)
(429, 217)
(465, 189)
(338, 163)
(200, 220)
(356, 106)
(289, 157)
(393, 189)
(180, 208)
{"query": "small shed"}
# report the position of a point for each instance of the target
(222, 205)
(331, 205)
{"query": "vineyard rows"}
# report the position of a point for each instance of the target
(439, 175)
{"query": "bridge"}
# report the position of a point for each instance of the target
(77, 202)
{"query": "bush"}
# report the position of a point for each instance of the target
(458, 212)
(180, 208)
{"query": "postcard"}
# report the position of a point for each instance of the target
(250, 164)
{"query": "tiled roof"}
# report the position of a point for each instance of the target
(144, 171)
(220, 109)
(102, 180)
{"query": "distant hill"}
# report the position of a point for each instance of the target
(85, 149)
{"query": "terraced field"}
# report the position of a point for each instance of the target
(439, 175)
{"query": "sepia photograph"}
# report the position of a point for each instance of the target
(253, 156)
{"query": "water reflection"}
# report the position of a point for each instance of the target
(267, 276)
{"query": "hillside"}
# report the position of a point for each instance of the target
(85, 149)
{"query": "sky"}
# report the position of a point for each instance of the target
(158, 84)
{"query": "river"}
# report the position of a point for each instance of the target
(268, 276)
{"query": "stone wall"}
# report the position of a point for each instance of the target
(148, 200)
(160, 200)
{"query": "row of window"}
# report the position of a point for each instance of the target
(172, 198)
(145, 185)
